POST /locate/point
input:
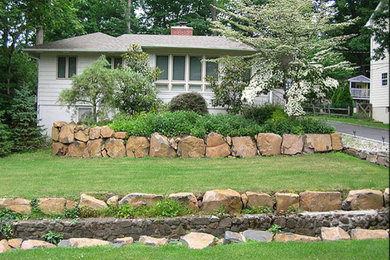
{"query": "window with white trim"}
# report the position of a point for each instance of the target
(115, 62)
(384, 79)
(83, 113)
(66, 67)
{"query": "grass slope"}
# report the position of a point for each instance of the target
(369, 249)
(40, 174)
(355, 121)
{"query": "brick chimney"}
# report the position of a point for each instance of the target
(39, 36)
(182, 29)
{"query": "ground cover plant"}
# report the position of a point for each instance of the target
(350, 249)
(39, 174)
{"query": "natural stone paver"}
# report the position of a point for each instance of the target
(66, 135)
(196, 240)
(362, 234)
(216, 199)
(363, 199)
(216, 146)
(83, 242)
(188, 199)
(337, 144)
(33, 244)
(191, 147)
(151, 241)
(19, 205)
(76, 149)
(259, 236)
(257, 199)
(285, 201)
(317, 143)
(333, 234)
(160, 147)
(15, 243)
(233, 237)
(115, 148)
(269, 143)
(287, 237)
(4, 246)
(320, 201)
(244, 147)
(137, 147)
(50, 205)
(140, 199)
(292, 144)
(91, 202)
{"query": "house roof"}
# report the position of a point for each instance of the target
(100, 42)
(360, 78)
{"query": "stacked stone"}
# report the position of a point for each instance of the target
(380, 158)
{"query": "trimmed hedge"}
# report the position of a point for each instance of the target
(190, 123)
(189, 102)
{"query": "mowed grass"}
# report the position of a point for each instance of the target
(352, 120)
(40, 174)
(369, 249)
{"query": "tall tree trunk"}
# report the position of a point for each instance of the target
(128, 12)
(214, 14)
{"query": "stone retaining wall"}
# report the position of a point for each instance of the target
(110, 229)
(79, 141)
(381, 158)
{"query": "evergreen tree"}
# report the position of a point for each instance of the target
(5, 136)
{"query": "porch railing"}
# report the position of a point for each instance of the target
(360, 93)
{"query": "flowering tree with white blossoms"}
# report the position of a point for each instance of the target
(296, 44)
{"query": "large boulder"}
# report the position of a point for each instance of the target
(333, 234)
(33, 244)
(320, 201)
(195, 240)
(363, 234)
(115, 148)
(187, 199)
(67, 134)
(233, 237)
(4, 246)
(151, 241)
(71, 204)
(120, 135)
(140, 199)
(52, 205)
(317, 143)
(292, 144)
(15, 243)
(91, 202)
(160, 147)
(59, 148)
(191, 147)
(113, 201)
(287, 237)
(257, 235)
(363, 199)
(94, 132)
(137, 147)
(216, 146)
(55, 134)
(337, 145)
(76, 149)
(286, 201)
(94, 149)
(81, 135)
(59, 124)
(106, 132)
(123, 241)
(244, 147)
(215, 200)
(257, 199)
(18, 205)
(82, 242)
(386, 197)
(269, 144)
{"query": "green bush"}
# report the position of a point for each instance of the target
(262, 113)
(6, 142)
(296, 126)
(342, 98)
(189, 102)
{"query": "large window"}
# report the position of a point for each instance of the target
(115, 62)
(179, 67)
(162, 64)
(212, 69)
(384, 79)
(66, 67)
(195, 68)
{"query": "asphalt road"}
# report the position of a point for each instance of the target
(362, 131)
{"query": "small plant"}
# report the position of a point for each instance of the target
(275, 229)
(291, 210)
(52, 237)
(168, 208)
(72, 213)
(258, 210)
(6, 218)
(36, 211)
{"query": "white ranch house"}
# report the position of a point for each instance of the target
(180, 55)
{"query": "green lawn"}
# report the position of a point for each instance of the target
(369, 249)
(40, 174)
(355, 121)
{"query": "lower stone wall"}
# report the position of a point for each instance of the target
(309, 223)
(380, 158)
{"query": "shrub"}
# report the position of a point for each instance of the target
(261, 114)
(296, 126)
(6, 141)
(52, 237)
(189, 102)
(342, 98)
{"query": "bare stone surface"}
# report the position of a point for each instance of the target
(81, 136)
(91, 202)
(33, 244)
(284, 201)
(287, 237)
(362, 234)
(188, 199)
(191, 147)
(59, 124)
(55, 133)
(4, 246)
(106, 132)
(363, 199)
(196, 240)
(19, 205)
(292, 144)
(113, 201)
(59, 148)
(386, 197)
(115, 148)
(333, 234)
(233, 237)
(137, 147)
(216, 146)
(151, 241)
(76, 149)
(337, 144)
(15, 243)
(244, 199)
(317, 143)
(269, 144)
(160, 147)
(124, 241)
(320, 201)
(243, 147)
(94, 132)
(94, 149)
(71, 204)
(83, 242)
(256, 199)
(259, 236)
(67, 134)
(214, 200)
(140, 199)
(120, 135)
(50, 205)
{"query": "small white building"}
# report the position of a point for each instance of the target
(181, 56)
(359, 87)
(379, 82)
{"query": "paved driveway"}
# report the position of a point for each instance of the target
(362, 131)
